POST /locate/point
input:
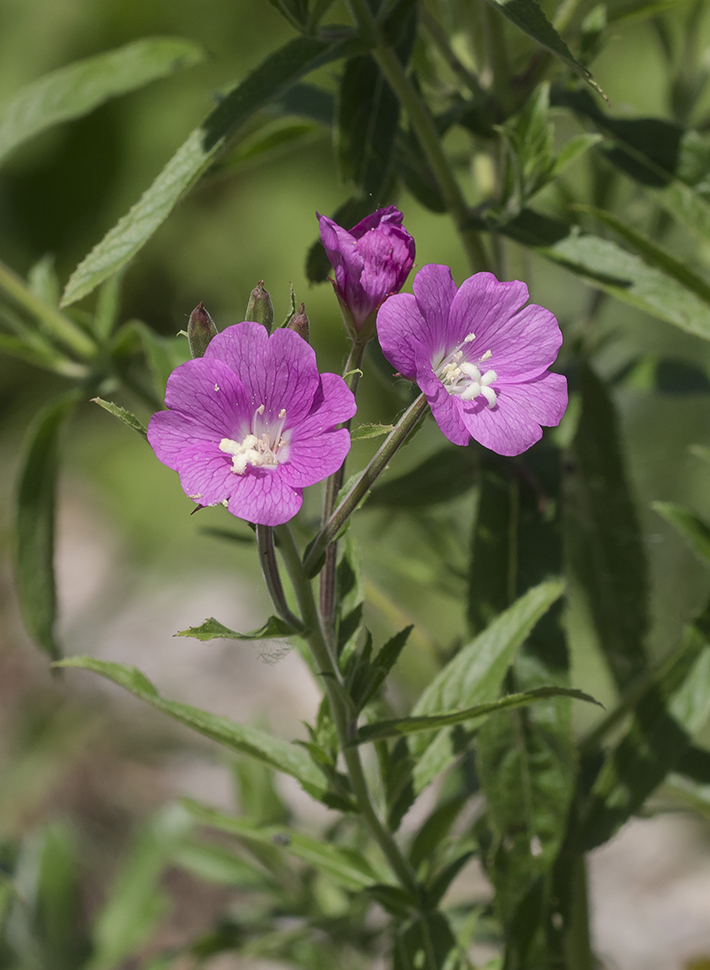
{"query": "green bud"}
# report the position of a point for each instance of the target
(299, 323)
(260, 309)
(200, 330)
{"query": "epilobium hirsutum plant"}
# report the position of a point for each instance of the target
(510, 508)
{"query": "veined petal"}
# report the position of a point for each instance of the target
(482, 306)
(401, 332)
(333, 403)
(262, 496)
(545, 398)
(310, 460)
(205, 473)
(435, 291)
(446, 409)
(524, 346)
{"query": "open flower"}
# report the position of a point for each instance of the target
(371, 262)
(252, 423)
(480, 355)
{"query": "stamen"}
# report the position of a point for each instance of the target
(260, 409)
(282, 413)
(469, 338)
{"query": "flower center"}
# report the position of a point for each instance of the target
(260, 447)
(465, 378)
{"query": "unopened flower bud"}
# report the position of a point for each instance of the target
(299, 323)
(260, 309)
(200, 330)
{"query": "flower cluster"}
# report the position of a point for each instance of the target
(252, 423)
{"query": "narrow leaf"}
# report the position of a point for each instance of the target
(396, 727)
(34, 524)
(530, 18)
(122, 414)
(212, 629)
(695, 532)
(76, 90)
(370, 431)
(288, 758)
(347, 867)
(272, 78)
(445, 475)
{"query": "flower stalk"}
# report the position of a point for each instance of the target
(272, 577)
(405, 426)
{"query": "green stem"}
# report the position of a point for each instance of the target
(272, 578)
(426, 131)
(405, 426)
(333, 485)
(578, 944)
(341, 716)
(61, 327)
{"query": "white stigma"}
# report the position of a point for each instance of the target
(260, 447)
(463, 378)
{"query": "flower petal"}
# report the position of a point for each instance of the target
(262, 496)
(400, 329)
(389, 216)
(514, 424)
(310, 460)
(524, 346)
(279, 371)
(342, 251)
(481, 306)
(205, 473)
(435, 291)
(446, 409)
(333, 403)
(208, 403)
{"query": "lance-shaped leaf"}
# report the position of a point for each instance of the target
(671, 708)
(272, 78)
(288, 758)
(34, 524)
(212, 629)
(606, 266)
(370, 431)
(603, 536)
(474, 676)
(122, 414)
(530, 18)
(397, 727)
(74, 91)
(445, 475)
(347, 867)
(695, 532)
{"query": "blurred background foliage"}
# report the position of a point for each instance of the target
(78, 778)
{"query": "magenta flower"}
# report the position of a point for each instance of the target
(480, 355)
(371, 261)
(252, 423)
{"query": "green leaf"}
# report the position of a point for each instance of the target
(136, 902)
(571, 151)
(34, 524)
(370, 431)
(272, 78)
(607, 267)
(694, 530)
(42, 281)
(603, 535)
(445, 475)
(108, 306)
(345, 866)
(349, 598)
(162, 353)
(122, 414)
(652, 253)
(285, 757)
(368, 118)
(474, 676)
(673, 705)
(212, 629)
(530, 18)
(74, 91)
(396, 727)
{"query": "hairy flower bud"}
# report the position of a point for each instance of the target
(371, 262)
(260, 309)
(200, 330)
(299, 323)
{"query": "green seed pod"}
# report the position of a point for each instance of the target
(299, 323)
(260, 309)
(200, 330)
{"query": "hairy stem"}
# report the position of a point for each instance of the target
(272, 578)
(341, 716)
(578, 944)
(426, 131)
(351, 376)
(405, 426)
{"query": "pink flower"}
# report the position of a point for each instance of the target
(480, 355)
(371, 261)
(252, 423)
